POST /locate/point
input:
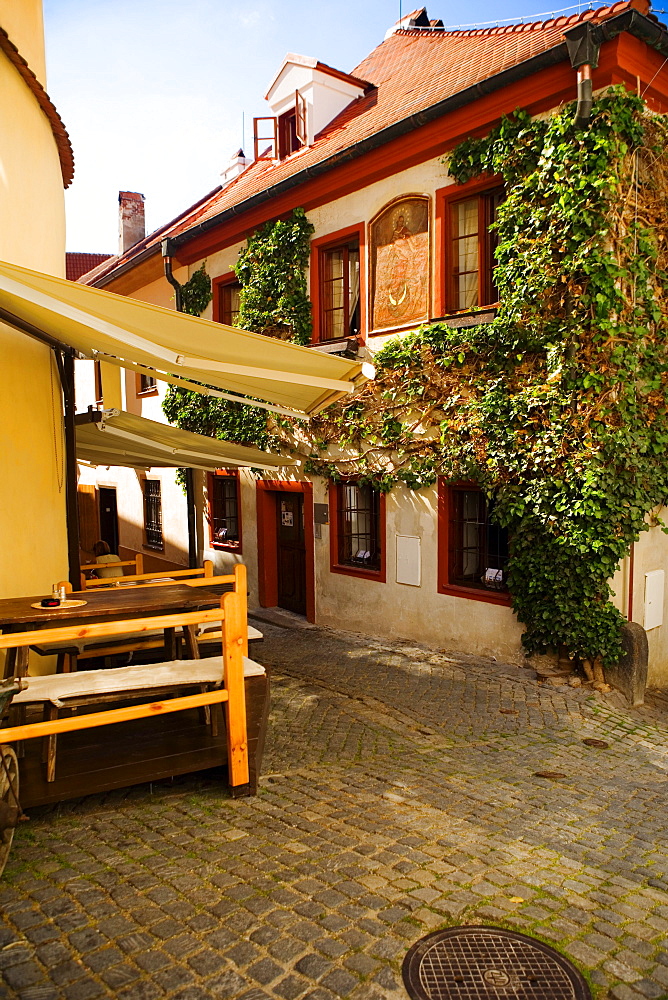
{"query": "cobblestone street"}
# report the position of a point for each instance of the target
(399, 795)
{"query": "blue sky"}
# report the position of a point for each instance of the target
(152, 93)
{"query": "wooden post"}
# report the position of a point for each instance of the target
(65, 362)
(235, 637)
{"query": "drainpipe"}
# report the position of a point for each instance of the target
(583, 52)
(167, 254)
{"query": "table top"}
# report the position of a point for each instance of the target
(113, 602)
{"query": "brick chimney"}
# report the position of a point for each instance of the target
(131, 225)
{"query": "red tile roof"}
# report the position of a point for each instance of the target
(77, 264)
(411, 70)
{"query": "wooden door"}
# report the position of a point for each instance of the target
(291, 552)
(89, 528)
(109, 518)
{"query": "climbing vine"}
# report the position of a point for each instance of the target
(558, 407)
(272, 272)
(196, 292)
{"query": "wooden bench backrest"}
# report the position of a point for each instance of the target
(137, 563)
(158, 576)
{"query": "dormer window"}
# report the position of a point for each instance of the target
(304, 97)
(285, 133)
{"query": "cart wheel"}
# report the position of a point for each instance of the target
(9, 793)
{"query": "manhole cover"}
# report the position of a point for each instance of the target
(554, 775)
(489, 963)
(601, 744)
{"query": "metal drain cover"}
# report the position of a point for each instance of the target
(489, 963)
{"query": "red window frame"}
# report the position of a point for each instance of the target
(446, 201)
(319, 248)
(220, 288)
(446, 512)
(227, 474)
(336, 566)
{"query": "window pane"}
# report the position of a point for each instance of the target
(333, 264)
(467, 217)
(467, 254)
(467, 286)
(225, 511)
(333, 325)
(478, 553)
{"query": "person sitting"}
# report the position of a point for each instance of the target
(103, 554)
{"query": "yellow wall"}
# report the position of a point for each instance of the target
(23, 22)
(32, 233)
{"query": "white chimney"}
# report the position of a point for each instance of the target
(236, 166)
(131, 224)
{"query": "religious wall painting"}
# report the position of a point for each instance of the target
(400, 270)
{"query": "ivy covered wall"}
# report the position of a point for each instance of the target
(558, 407)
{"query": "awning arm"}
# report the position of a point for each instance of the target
(205, 390)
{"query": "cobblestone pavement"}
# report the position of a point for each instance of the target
(399, 795)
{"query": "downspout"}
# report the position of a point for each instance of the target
(167, 254)
(583, 51)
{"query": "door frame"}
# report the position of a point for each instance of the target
(268, 492)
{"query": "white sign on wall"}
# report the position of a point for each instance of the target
(654, 583)
(409, 560)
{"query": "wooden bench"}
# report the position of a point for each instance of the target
(219, 680)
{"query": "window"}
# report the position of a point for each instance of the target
(357, 531)
(473, 551)
(226, 300)
(230, 300)
(285, 134)
(225, 510)
(471, 251)
(340, 291)
(153, 514)
(146, 385)
(337, 284)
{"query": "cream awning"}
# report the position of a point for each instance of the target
(164, 343)
(120, 438)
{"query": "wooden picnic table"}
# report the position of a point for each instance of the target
(116, 756)
(17, 615)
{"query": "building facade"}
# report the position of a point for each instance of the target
(396, 243)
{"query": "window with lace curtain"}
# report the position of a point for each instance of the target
(470, 251)
(340, 290)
